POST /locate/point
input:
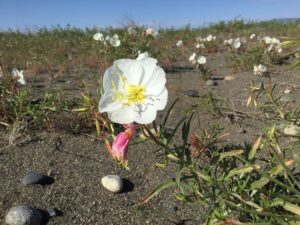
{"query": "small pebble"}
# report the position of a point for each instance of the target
(23, 215)
(292, 130)
(242, 131)
(287, 91)
(173, 209)
(113, 183)
(192, 93)
(285, 98)
(36, 178)
(229, 77)
(52, 212)
(210, 83)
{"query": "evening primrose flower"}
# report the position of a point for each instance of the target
(19, 76)
(98, 37)
(200, 45)
(134, 90)
(201, 60)
(252, 36)
(192, 58)
(259, 69)
(237, 43)
(152, 32)
(179, 43)
(115, 41)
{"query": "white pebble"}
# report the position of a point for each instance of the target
(292, 130)
(113, 183)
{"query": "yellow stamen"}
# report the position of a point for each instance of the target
(135, 93)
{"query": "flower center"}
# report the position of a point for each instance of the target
(131, 94)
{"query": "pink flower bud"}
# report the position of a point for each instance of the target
(120, 146)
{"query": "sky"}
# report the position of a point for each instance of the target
(29, 14)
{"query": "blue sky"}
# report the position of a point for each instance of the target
(22, 14)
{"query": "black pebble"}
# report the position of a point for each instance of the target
(192, 93)
(53, 212)
(37, 178)
(173, 209)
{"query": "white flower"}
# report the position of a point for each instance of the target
(209, 38)
(201, 60)
(179, 43)
(131, 31)
(192, 58)
(200, 45)
(107, 38)
(267, 40)
(252, 36)
(98, 37)
(134, 89)
(19, 76)
(115, 41)
(152, 32)
(260, 69)
(237, 43)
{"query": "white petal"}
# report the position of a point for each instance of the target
(131, 70)
(149, 64)
(107, 104)
(157, 82)
(123, 115)
(162, 100)
(111, 75)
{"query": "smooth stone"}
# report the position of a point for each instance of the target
(52, 212)
(192, 93)
(174, 209)
(229, 77)
(292, 130)
(285, 99)
(242, 131)
(36, 178)
(210, 83)
(113, 183)
(23, 215)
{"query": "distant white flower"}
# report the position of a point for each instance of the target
(200, 39)
(152, 32)
(259, 69)
(192, 58)
(237, 43)
(201, 60)
(134, 90)
(200, 45)
(131, 31)
(267, 40)
(115, 41)
(252, 36)
(179, 43)
(98, 37)
(209, 38)
(19, 76)
(107, 38)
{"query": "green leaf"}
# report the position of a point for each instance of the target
(158, 189)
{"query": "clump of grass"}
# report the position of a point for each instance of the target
(245, 61)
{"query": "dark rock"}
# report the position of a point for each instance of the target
(192, 93)
(173, 209)
(37, 178)
(53, 212)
